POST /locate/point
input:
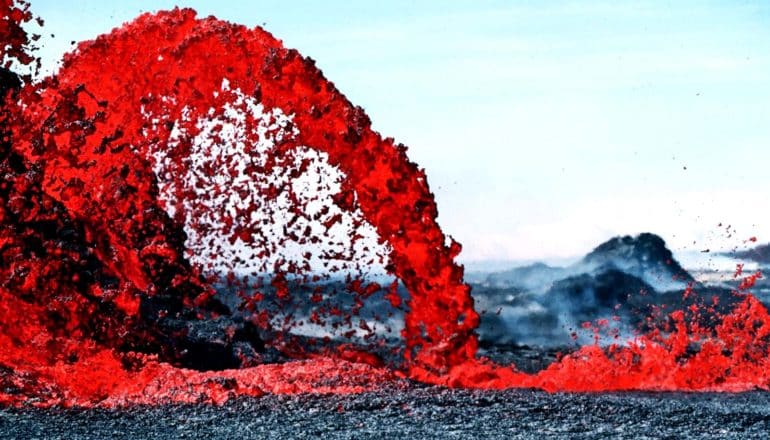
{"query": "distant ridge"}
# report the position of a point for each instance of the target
(759, 254)
(644, 256)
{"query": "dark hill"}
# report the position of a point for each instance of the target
(644, 256)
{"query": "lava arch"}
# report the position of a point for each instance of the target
(97, 164)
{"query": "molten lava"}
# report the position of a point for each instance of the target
(176, 148)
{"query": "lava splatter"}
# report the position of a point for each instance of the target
(182, 175)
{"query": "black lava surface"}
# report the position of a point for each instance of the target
(415, 412)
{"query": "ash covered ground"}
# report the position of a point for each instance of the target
(414, 411)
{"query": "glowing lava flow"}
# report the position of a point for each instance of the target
(189, 61)
(115, 179)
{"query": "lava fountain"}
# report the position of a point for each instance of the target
(177, 155)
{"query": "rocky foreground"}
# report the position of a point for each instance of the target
(412, 411)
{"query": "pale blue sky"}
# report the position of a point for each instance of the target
(544, 127)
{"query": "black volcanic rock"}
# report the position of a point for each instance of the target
(587, 296)
(644, 256)
(408, 410)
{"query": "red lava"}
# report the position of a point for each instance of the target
(112, 194)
